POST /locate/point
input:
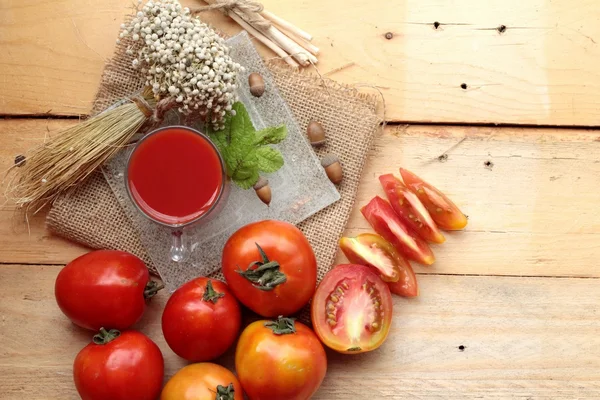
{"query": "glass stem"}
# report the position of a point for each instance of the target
(179, 250)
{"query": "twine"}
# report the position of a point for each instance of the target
(155, 114)
(247, 9)
(142, 104)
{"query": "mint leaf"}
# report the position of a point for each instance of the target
(244, 150)
(269, 159)
(272, 135)
(245, 174)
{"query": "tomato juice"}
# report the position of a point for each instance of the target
(175, 175)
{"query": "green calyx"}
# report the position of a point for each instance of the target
(105, 337)
(265, 274)
(210, 294)
(152, 287)
(283, 326)
(225, 392)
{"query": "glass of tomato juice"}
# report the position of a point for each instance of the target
(176, 177)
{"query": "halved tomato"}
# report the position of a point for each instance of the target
(352, 309)
(384, 220)
(410, 209)
(374, 251)
(442, 210)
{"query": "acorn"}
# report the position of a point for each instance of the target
(333, 168)
(315, 133)
(263, 190)
(257, 84)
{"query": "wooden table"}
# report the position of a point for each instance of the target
(509, 310)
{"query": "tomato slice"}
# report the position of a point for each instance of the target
(442, 210)
(352, 309)
(410, 209)
(384, 220)
(374, 251)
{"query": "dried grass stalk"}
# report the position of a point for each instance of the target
(68, 158)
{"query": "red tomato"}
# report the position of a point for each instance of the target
(384, 220)
(374, 251)
(104, 288)
(270, 267)
(410, 209)
(204, 381)
(443, 211)
(352, 309)
(280, 360)
(119, 366)
(201, 320)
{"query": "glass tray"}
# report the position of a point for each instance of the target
(300, 188)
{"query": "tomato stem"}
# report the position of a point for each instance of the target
(152, 287)
(264, 275)
(282, 326)
(225, 392)
(210, 294)
(105, 337)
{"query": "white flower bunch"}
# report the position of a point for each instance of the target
(184, 59)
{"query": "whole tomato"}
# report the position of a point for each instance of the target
(280, 359)
(270, 267)
(104, 288)
(203, 381)
(119, 366)
(201, 320)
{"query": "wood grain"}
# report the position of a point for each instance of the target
(523, 338)
(534, 212)
(542, 69)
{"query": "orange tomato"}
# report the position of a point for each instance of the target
(277, 360)
(203, 381)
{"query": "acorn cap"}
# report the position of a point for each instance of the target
(262, 182)
(329, 159)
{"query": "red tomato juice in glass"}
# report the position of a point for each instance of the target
(175, 175)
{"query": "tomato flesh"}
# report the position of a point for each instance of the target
(352, 309)
(442, 210)
(384, 220)
(374, 251)
(410, 209)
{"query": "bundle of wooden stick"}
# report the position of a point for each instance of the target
(288, 41)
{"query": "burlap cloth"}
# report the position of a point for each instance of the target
(91, 215)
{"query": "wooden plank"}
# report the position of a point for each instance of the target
(540, 70)
(523, 338)
(22, 242)
(534, 212)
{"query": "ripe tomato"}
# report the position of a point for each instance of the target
(119, 366)
(410, 209)
(374, 251)
(443, 211)
(201, 320)
(204, 381)
(104, 288)
(352, 309)
(384, 220)
(280, 359)
(270, 267)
